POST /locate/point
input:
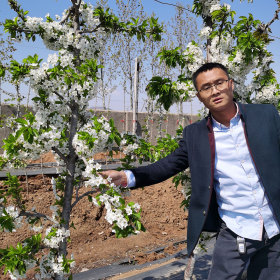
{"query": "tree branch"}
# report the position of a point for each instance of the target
(89, 31)
(81, 197)
(70, 11)
(11, 94)
(180, 7)
(34, 215)
(76, 6)
(16, 7)
(274, 18)
(56, 150)
(58, 95)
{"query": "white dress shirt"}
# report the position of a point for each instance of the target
(243, 204)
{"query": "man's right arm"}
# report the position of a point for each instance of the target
(155, 172)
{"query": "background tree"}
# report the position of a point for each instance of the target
(240, 45)
(180, 30)
(183, 30)
(6, 55)
(128, 48)
(109, 59)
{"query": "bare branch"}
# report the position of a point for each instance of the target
(11, 94)
(177, 6)
(76, 6)
(16, 7)
(34, 215)
(56, 150)
(70, 11)
(58, 95)
(274, 37)
(274, 18)
(76, 3)
(82, 196)
(89, 31)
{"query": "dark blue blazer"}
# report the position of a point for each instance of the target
(197, 151)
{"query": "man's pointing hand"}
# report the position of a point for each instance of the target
(117, 177)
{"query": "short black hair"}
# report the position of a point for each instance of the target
(206, 67)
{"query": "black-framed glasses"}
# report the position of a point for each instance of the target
(219, 85)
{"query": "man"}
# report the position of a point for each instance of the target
(234, 159)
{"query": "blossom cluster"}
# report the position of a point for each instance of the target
(127, 150)
(54, 236)
(29, 264)
(115, 214)
(58, 36)
(194, 57)
(51, 265)
(129, 145)
(207, 6)
(13, 213)
(267, 94)
(205, 32)
(99, 136)
(223, 49)
(186, 87)
(93, 179)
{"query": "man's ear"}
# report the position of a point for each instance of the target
(232, 84)
(198, 96)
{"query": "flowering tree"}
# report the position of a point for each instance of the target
(128, 48)
(180, 30)
(64, 85)
(240, 45)
(6, 51)
(183, 26)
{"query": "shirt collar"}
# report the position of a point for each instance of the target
(233, 121)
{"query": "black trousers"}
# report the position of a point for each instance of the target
(262, 258)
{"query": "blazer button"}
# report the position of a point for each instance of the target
(204, 212)
(209, 187)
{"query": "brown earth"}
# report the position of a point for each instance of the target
(92, 242)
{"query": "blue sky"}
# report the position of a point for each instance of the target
(262, 10)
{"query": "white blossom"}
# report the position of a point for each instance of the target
(267, 94)
(130, 148)
(194, 57)
(12, 211)
(53, 59)
(60, 235)
(228, 7)
(136, 207)
(205, 32)
(128, 210)
(215, 8)
(206, 6)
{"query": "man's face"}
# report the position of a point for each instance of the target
(216, 100)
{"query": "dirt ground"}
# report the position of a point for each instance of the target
(92, 242)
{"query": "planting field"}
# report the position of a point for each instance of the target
(92, 242)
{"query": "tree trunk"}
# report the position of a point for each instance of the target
(69, 184)
(131, 92)
(208, 22)
(28, 97)
(160, 122)
(181, 114)
(18, 100)
(1, 98)
(149, 126)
